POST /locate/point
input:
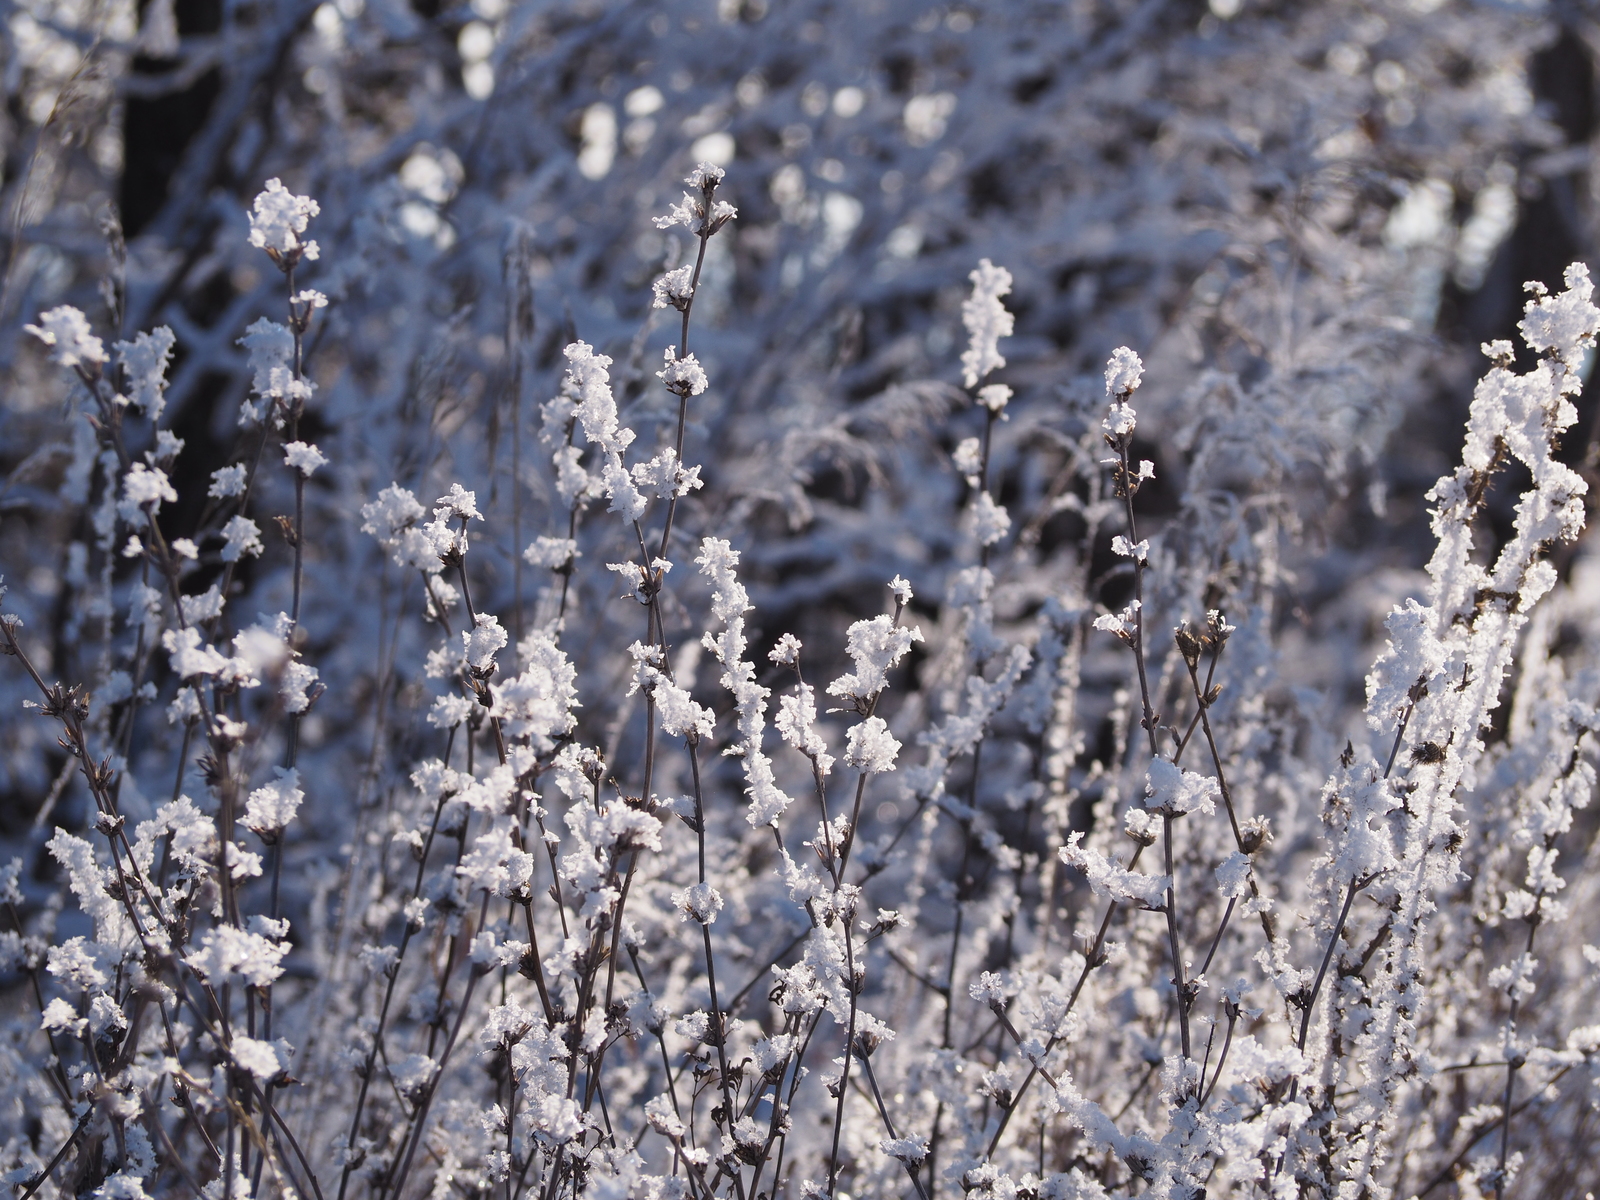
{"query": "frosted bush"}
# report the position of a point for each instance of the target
(589, 706)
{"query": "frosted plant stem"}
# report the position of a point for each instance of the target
(1091, 960)
(683, 401)
(848, 919)
(888, 1124)
(719, 1028)
(388, 997)
(1149, 720)
(1203, 701)
(419, 1119)
(39, 1180)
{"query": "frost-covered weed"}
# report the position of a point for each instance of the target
(417, 825)
(578, 908)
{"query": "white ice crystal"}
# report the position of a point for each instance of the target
(1174, 792)
(876, 646)
(228, 481)
(278, 218)
(230, 955)
(243, 537)
(272, 806)
(870, 748)
(986, 321)
(66, 331)
(145, 361)
(701, 903)
(303, 457)
(682, 375)
(1123, 373)
(673, 289)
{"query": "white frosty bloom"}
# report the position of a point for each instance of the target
(168, 446)
(185, 707)
(701, 903)
(1561, 322)
(188, 657)
(206, 606)
(79, 963)
(1122, 624)
(537, 703)
(278, 217)
(66, 331)
(661, 1117)
(769, 1054)
(692, 214)
(662, 476)
(60, 1017)
(185, 548)
(143, 490)
(986, 321)
(230, 955)
(909, 1150)
(1414, 655)
(876, 646)
(394, 509)
(995, 397)
(272, 806)
(450, 710)
(458, 503)
(1123, 372)
(303, 457)
(704, 173)
(412, 1074)
(265, 1060)
(1233, 875)
(795, 723)
(673, 290)
(686, 214)
(489, 951)
(588, 378)
(271, 348)
(483, 641)
(551, 552)
(228, 481)
(1120, 421)
(243, 537)
(870, 747)
(1110, 878)
(785, 651)
(988, 989)
(1174, 792)
(682, 375)
(261, 649)
(679, 715)
(968, 458)
(299, 687)
(990, 521)
(1139, 551)
(494, 863)
(145, 361)
(1516, 977)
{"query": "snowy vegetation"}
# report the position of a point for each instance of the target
(714, 601)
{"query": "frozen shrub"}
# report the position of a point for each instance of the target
(591, 708)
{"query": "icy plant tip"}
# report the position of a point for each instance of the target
(986, 320)
(66, 331)
(277, 219)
